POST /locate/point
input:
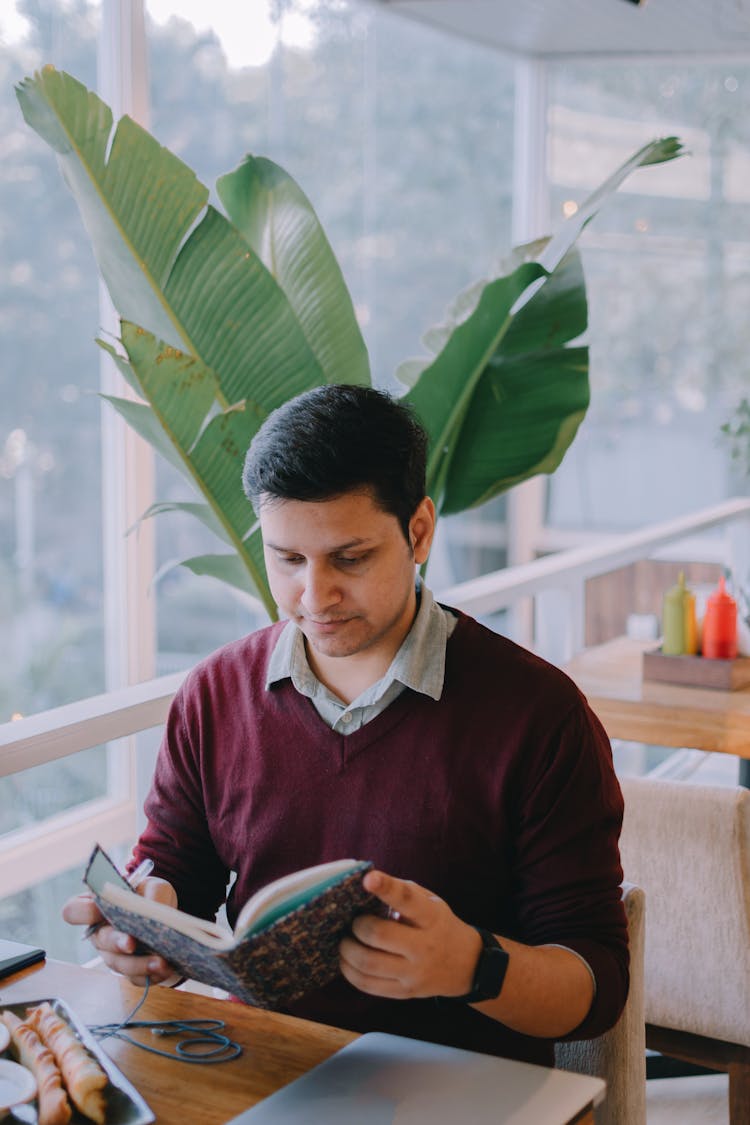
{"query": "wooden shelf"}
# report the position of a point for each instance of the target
(638, 710)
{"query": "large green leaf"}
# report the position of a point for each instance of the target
(210, 445)
(146, 424)
(202, 512)
(521, 420)
(504, 397)
(655, 152)
(172, 264)
(279, 223)
(122, 365)
(556, 313)
(227, 568)
(442, 395)
(137, 205)
(181, 389)
(533, 326)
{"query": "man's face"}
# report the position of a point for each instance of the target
(343, 571)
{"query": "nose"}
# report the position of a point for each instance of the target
(321, 591)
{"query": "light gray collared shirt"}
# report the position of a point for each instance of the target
(419, 664)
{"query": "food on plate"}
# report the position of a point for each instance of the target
(53, 1105)
(83, 1076)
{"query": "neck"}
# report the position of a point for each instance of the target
(348, 676)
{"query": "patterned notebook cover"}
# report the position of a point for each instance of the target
(297, 953)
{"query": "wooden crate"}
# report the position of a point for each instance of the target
(697, 671)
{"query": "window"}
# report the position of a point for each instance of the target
(401, 138)
(667, 270)
(50, 502)
(51, 618)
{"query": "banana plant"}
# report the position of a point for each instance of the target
(225, 316)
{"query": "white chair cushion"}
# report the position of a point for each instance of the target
(688, 846)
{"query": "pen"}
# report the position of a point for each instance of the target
(142, 871)
(134, 880)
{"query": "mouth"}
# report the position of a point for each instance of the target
(329, 626)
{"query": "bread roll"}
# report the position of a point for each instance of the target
(52, 1102)
(83, 1076)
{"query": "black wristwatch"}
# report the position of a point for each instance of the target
(490, 971)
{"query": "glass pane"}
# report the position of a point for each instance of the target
(667, 270)
(34, 916)
(33, 795)
(50, 525)
(51, 620)
(401, 137)
(75, 783)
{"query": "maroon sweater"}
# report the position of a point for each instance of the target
(500, 797)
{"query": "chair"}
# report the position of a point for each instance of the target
(619, 1056)
(688, 846)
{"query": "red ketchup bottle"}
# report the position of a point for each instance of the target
(720, 625)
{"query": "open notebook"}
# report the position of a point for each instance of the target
(389, 1080)
(286, 941)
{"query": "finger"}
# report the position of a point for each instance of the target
(138, 968)
(388, 987)
(381, 933)
(159, 890)
(112, 942)
(81, 911)
(158, 969)
(370, 963)
(412, 902)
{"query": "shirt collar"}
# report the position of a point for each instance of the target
(419, 663)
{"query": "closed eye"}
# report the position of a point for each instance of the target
(351, 560)
(346, 561)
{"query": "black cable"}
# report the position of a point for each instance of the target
(204, 1041)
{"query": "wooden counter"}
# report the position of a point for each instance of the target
(639, 710)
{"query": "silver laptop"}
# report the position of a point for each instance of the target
(390, 1080)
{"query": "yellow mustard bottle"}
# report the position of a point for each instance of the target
(679, 625)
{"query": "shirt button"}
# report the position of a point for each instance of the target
(346, 717)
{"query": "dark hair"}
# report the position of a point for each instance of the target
(337, 439)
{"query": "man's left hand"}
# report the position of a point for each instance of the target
(422, 949)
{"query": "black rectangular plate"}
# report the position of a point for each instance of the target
(125, 1106)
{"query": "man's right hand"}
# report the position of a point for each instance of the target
(117, 949)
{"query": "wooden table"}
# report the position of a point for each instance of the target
(276, 1048)
(639, 710)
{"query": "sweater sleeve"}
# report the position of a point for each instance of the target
(568, 872)
(177, 836)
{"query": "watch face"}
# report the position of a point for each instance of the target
(490, 971)
(493, 963)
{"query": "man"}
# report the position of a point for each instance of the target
(376, 724)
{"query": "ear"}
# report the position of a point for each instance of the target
(422, 530)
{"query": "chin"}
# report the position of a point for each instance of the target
(334, 647)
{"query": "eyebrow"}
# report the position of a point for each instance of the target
(339, 546)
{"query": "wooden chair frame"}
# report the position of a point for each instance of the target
(730, 1058)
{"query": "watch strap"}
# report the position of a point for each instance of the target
(490, 971)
